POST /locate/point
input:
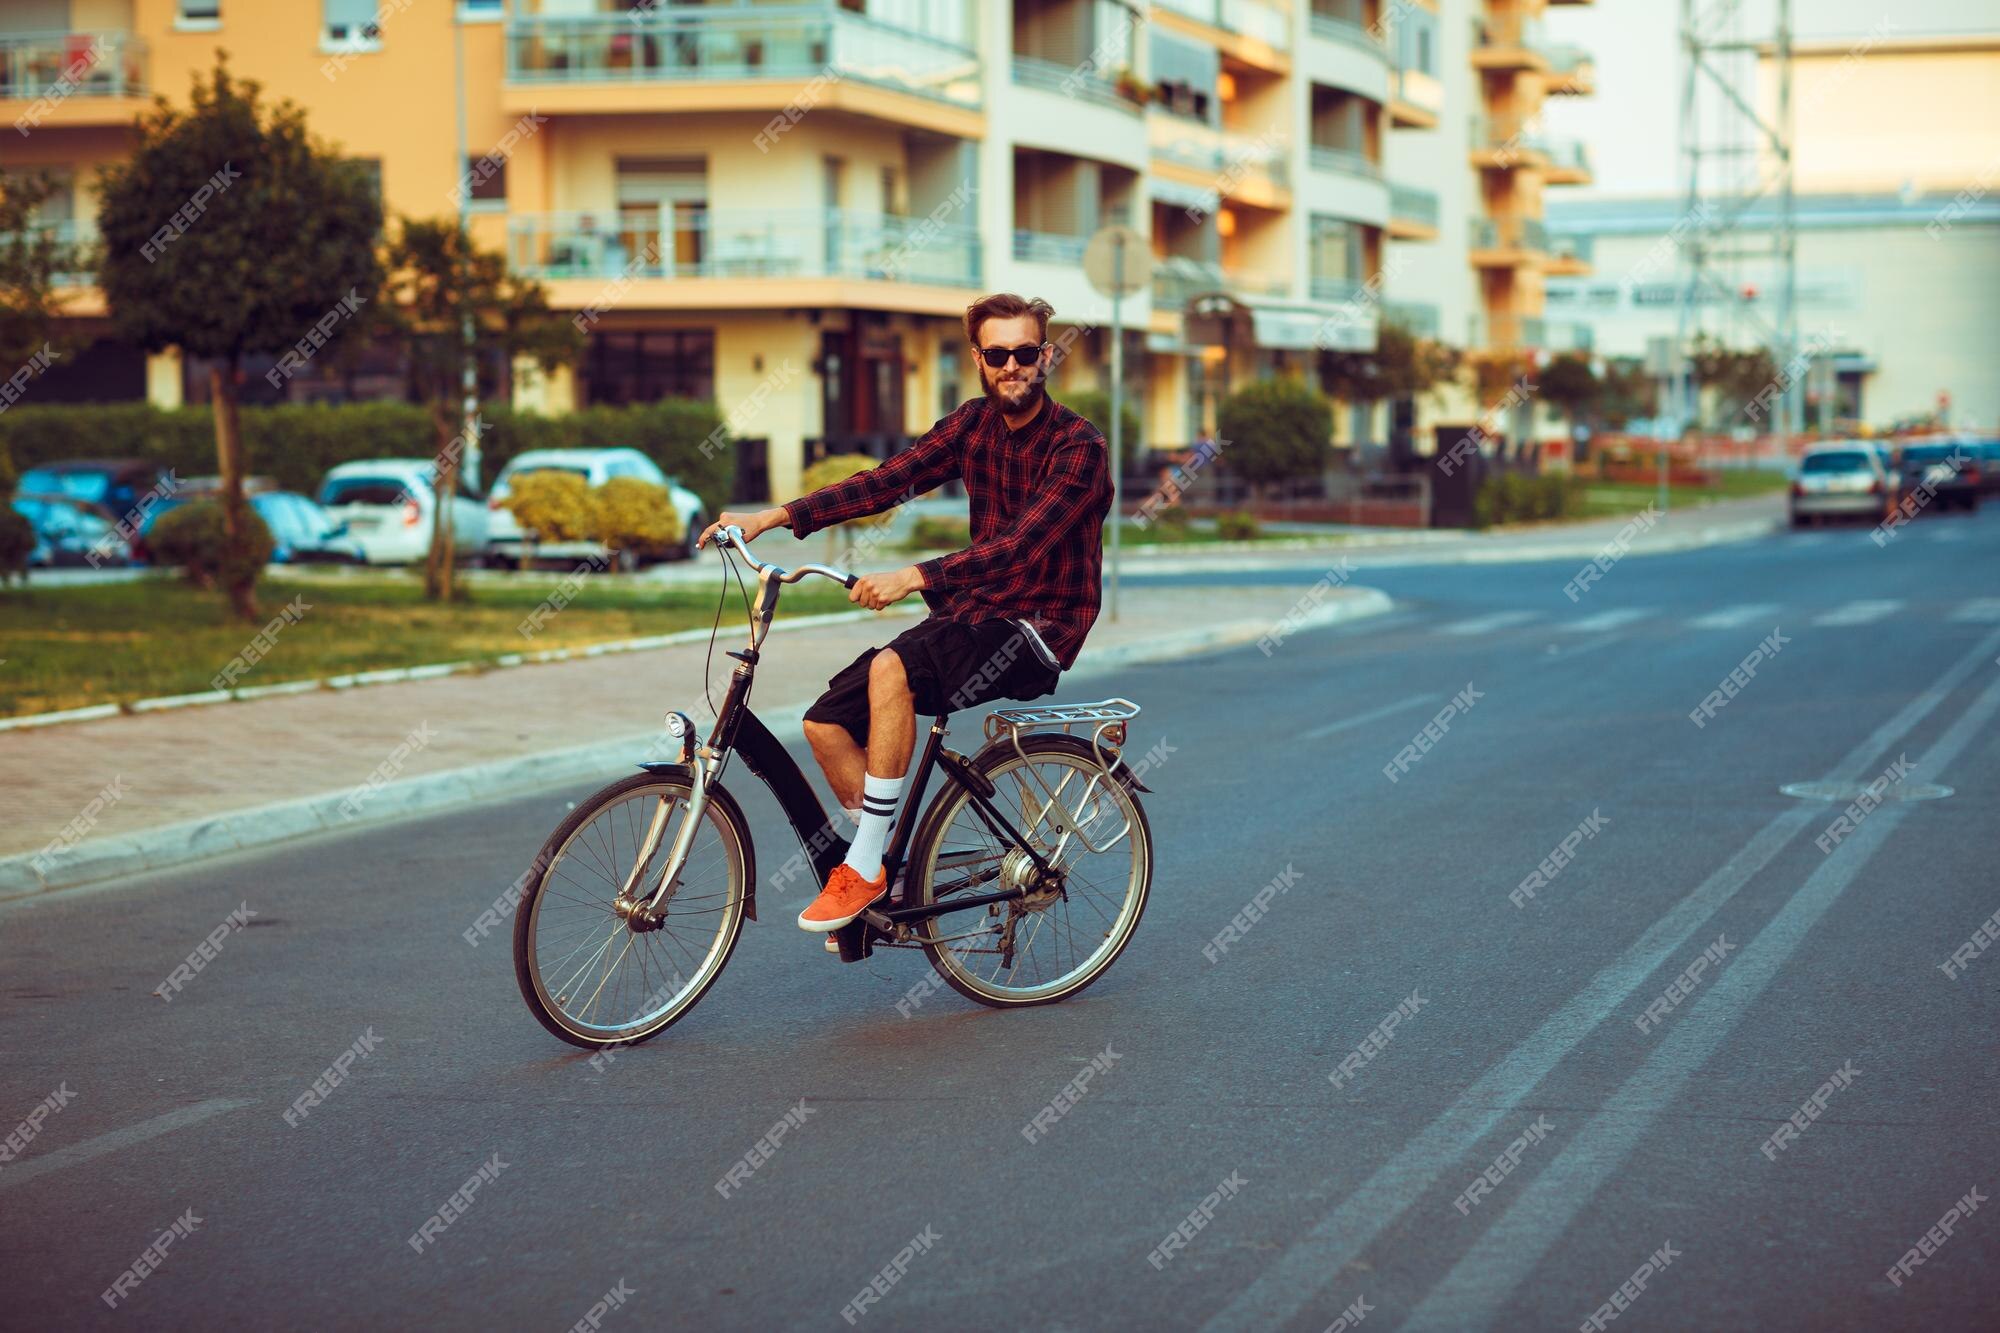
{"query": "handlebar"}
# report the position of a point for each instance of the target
(733, 536)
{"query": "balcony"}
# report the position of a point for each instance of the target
(1249, 170)
(1506, 143)
(1508, 44)
(1047, 247)
(1570, 256)
(73, 78)
(1070, 81)
(769, 257)
(1252, 31)
(1345, 162)
(1413, 213)
(1566, 162)
(1571, 336)
(1415, 100)
(1420, 318)
(1508, 242)
(1177, 279)
(1572, 71)
(1516, 333)
(812, 53)
(1349, 32)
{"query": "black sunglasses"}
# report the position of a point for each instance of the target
(1026, 354)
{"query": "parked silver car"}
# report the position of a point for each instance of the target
(1843, 480)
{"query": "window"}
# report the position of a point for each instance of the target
(350, 26)
(644, 367)
(480, 11)
(198, 15)
(486, 179)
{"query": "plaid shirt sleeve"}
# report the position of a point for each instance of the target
(929, 463)
(1068, 493)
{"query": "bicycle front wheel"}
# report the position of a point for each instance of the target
(590, 977)
(1050, 944)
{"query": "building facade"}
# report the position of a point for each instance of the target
(785, 208)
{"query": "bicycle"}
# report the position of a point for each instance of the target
(1010, 834)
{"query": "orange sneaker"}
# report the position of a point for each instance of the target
(845, 897)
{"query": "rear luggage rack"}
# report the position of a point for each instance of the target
(1106, 719)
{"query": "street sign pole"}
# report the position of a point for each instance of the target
(1117, 425)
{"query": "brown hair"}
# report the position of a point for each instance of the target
(1006, 305)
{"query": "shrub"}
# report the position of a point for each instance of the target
(1170, 524)
(1514, 497)
(628, 514)
(1276, 429)
(1238, 526)
(939, 534)
(839, 467)
(555, 506)
(192, 537)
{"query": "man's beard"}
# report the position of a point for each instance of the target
(1037, 390)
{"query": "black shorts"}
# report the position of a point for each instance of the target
(951, 665)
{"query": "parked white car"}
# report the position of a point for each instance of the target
(508, 544)
(390, 506)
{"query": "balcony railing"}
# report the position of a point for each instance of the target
(1229, 156)
(1348, 32)
(1567, 154)
(1510, 234)
(1419, 317)
(76, 253)
(1580, 248)
(1516, 140)
(82, 64)
(1346, 161)
(799, 44)
(1252, 18)
(1047, 247)
(1176, 279)
(745, 243)
(1336, 289)
(1571, 62)
(1071, 81)
(1414, 205)
(1571, 336)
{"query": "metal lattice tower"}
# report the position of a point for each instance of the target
(1733, 155)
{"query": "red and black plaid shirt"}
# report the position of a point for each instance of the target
(1039, 498)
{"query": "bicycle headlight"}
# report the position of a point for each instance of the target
(680, 732)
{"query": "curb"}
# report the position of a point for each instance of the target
(173, 845)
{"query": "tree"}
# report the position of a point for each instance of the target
(1736, 376)
(1402, 365)
(30, 257)
(437, 281)
(1569, 385)
(231, 232)
(1625, 392)
(1274, 430)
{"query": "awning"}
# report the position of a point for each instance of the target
(1218, 319)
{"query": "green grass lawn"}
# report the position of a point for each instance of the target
(1625, 497)
(66, 647)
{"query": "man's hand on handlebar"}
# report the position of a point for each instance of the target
(761, 521)
(876, 591)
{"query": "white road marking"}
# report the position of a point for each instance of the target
(1488, 623)
(1861, 612)
(1479, 1284)
(40, 1165)
(1978, 611)
(1370, 716)
(1321, 1256)
(1730, 617)
(1605, 620)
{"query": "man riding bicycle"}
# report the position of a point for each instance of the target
(1008, 614)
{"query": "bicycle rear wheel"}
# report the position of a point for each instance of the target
(1049, 945)
(588, 976)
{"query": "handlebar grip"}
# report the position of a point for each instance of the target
(851, 580)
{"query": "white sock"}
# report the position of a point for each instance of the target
(853, 814)
(878, 811)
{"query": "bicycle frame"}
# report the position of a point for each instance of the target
(738, 730)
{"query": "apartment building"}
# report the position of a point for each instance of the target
(784, 208)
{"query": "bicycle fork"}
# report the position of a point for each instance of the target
(703, 768)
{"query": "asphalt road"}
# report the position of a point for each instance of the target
(1519, 1054)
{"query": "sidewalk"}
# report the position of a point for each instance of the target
(151, 790)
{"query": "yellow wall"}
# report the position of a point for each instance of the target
(1873, 117)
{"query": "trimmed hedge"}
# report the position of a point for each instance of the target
(1513, 497)
(295, 445)
(194, 538)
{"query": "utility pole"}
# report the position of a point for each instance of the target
(469, 373)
